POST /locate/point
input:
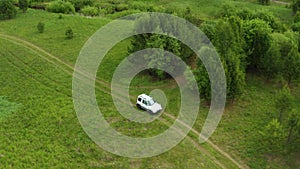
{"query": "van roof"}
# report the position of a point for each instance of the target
(145, 96)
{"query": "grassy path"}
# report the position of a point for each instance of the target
(105, 87)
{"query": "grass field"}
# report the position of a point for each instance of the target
(41, 130)
(45, 132)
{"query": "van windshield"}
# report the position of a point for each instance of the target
(150, 102)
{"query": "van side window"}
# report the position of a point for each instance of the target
(139, 99)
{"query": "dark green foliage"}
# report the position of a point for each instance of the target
(189, 79)
(160, 60)
(163, 42)
(271, 63)
(269, 18)
(60, 6)
(296, 27)
(107, 8)
(291, 70)
(257, 37)
(7, 10)
(283, 102)
(295, 6)
(69, 33)
(227, 38)
(245, 14)
(201, 75)
(41, 27)
(297, 17)
(282, 58)
(292, 124)
(23, 5)
(264, 2)
(79, 4)
(89, 11)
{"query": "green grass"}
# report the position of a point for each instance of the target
(241, 123)
(45, 132)
(6, 107)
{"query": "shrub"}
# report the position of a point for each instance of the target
(89, 11)
(60, 6)
(7, 9)
(69, 33)
(106, 8)
(121, 7)
(296, 27)
(80, 4)
(23, 5)
(264, 2)
(297, 17)
(41, 27)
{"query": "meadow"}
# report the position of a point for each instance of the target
(39, 128)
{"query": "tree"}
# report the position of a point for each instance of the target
(273, 136)
(23, 5)
(282, 58)
(189, 79)
(258, 41)
(7, 10)
(291, 70)
(161, 41)
(227, 37)
(229, 43)
(283, 102)
(271, 64)
(201, 75)
(292, 123)
(41, 27)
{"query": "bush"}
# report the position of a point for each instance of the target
(23, 5)
(106, 8)
(296, 27)
(7, 10)
(60, 6)
(41, 27)
(297, 17)
(142, 7)
(121, 7)
(69, 33)
(264, 2)
(89, 11)
(80, 4)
